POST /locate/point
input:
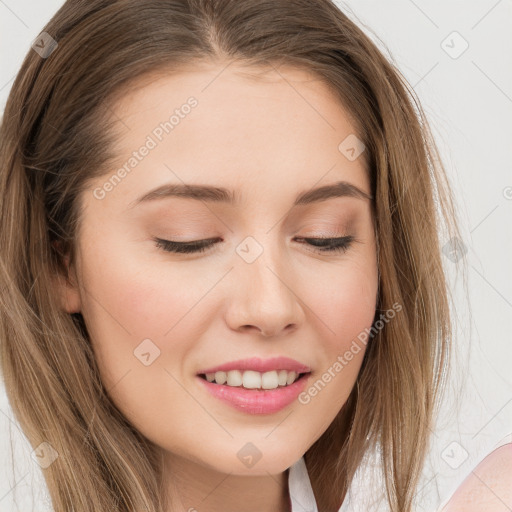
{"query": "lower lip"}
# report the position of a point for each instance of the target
(255, 401)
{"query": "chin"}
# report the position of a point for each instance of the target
(255, 462)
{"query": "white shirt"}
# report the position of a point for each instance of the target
(301, 492)
(299, 485)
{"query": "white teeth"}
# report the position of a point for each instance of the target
(269, 380)
(251, 379)
(220, 377)
(291, 377)
(254, 380)
(234, 378)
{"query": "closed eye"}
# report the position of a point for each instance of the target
(321, 245)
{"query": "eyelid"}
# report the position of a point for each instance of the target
(181, 247)
(319, 245)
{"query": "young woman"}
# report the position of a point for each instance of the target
(221, 274)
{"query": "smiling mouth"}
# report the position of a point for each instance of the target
(254, 381)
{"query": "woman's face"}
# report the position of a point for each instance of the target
(157, 319)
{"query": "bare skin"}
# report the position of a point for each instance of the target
(487, 487)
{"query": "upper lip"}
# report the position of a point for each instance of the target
(260, 365)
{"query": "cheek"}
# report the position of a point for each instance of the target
(344, 310)
(345, 302)
(127, 301)
(143, 325)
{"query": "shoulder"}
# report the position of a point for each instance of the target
(488, 485)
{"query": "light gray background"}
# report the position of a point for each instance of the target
(468, 101)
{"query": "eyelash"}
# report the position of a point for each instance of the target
(341, 244)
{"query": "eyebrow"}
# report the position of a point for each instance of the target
(222, 195)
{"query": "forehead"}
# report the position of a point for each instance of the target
(264, 129)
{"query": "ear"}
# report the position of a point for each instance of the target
(66, 286)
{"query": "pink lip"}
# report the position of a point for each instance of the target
(255, 401)
(260, 365)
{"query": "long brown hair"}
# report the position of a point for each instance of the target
(57, 134)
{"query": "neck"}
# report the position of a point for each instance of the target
(193, 487)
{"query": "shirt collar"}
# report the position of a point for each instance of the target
(301, 493)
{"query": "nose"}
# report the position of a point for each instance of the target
(262, 297)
